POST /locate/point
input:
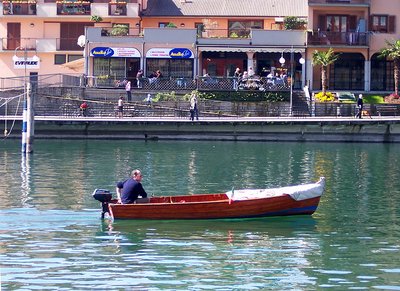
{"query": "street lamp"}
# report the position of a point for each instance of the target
(25, 62)
(282, 62)
(28, 116)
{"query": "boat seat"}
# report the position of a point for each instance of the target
(142, 200)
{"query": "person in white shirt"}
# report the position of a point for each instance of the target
(128, 90)
(121, 107)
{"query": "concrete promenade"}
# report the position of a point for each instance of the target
(309, 129)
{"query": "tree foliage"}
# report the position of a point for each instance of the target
(292, 22)
(324, 59)
(392, 52)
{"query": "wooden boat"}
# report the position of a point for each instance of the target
(246, 203)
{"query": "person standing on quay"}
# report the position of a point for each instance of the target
(139, 77)
(360, 105)
(128, 90)
(121, 107)
(194, 111)
(149, 100)
(236, 78)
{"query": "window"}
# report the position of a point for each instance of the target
(108, 70)
(242, 28)
(175, 68)
(74, 57)
(163, 24)
(200, 28)
(336, 23)
(60, 59)
(379, 23)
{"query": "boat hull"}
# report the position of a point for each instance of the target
(216, 207)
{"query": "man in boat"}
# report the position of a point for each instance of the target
(129, 190)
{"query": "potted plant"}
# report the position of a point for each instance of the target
(119, 30)
(292, 22)
(171, 25)
(96, 18)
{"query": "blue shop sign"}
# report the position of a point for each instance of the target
(103, 52)
(180, 53)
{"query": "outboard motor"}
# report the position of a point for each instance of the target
(104, 196)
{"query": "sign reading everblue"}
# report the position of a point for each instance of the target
(103, 52)
(180, 53)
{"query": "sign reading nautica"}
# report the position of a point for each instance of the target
(175, 53)
(112, 52)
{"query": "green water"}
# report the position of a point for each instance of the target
(52, 238)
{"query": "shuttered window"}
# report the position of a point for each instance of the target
(382, 23)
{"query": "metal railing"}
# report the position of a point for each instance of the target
(47, 80)
(19, 8)
(32, 44)
(199, 83)
(73, 8)
(341, 2)
(318, 37)
(262, 84)
(224, 33)
(48, 106)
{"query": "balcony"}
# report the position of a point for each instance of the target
(73, 8)
(40, 44)
(117, 8)
(328, 38)
(224, 33)
(19, 7)
(252, 37)
(13, 43)
(339, 2)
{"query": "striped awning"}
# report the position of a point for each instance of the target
(250, 49)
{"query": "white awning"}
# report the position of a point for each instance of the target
(76, 65)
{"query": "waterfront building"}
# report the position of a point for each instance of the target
(357, 29)
(185, 39)
(41, 36)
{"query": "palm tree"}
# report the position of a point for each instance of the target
(392, 52)
(324, 59)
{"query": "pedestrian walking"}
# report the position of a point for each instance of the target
(128, 90)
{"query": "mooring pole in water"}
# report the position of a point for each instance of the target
(27, 122)
(30, 119)
(24, 126)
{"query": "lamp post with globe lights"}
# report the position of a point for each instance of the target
(282, 61)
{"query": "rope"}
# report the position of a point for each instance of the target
(5, 100)
(7, 133)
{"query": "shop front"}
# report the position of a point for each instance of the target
(261, 62)
(171, 62)
(113, 64)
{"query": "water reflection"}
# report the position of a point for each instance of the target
(25, 179)
(218, 249)
(51, 233)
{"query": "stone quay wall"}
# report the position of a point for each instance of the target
(272, 130)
